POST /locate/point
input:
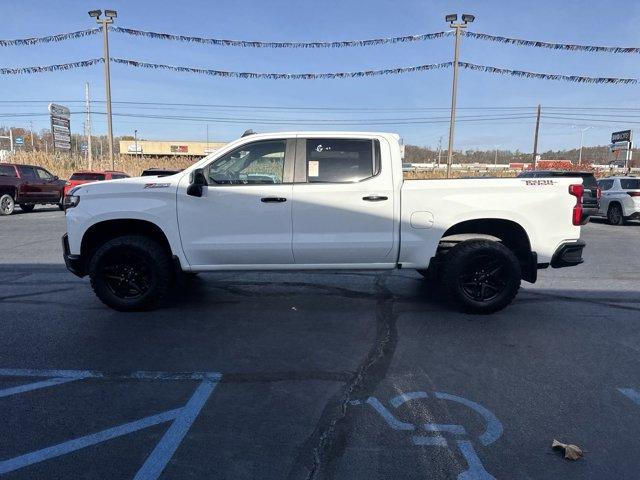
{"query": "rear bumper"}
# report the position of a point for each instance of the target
(568, 254)
(74, 263)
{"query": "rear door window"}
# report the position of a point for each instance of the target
(7, 171)
(341, 160)
(605, 184)
(116, 176)
(28, 173)
(630, 183)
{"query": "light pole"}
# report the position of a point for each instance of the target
(582, 130)
(109, 15)
(466, 19)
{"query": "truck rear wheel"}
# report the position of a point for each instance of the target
(7, 204)
(27, 207)
(481, 276)
(130, 273)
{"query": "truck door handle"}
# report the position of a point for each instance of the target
(273, 199)
(375, 198)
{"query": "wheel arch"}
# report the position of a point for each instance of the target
(103, 231)
(510, 233)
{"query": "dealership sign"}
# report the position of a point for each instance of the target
(60, 127)
(622, 136)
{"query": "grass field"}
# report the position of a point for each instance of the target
(64, 165)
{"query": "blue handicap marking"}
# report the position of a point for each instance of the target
(181, 418)
(434, 431)
(631, 394)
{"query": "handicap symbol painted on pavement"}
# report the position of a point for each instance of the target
(433, 431)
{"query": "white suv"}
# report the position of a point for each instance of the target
(620, 199)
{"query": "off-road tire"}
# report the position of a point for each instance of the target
(130, 262)
(27, 207)
(615, 215)
(7, 204)
(465, 276)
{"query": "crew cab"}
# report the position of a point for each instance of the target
(86, 176)
(320, 200)
(28, 186)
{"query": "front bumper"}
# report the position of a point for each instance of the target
(74, 263)
(568, 254)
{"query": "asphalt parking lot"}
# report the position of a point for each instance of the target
(317, 375)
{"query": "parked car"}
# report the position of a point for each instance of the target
(592, 193)
(159, 172)
(28, 186)
(86, 176)
(620, 199)
(339, 202)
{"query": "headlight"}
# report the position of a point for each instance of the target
(71, 201)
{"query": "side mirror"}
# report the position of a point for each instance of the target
(55, 177)
(198, 181)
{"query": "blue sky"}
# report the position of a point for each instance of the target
(608, 22)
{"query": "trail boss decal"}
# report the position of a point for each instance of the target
(157, 185)
(537, 182)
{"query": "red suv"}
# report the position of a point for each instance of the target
(86, 176)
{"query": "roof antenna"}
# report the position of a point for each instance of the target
(247, 133)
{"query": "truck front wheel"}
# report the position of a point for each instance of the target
(130, 273)
(481, 276)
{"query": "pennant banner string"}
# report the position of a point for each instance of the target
(339, 44)
(50, 68)
(553, 46)
(329, 75)
(49, 39)
(280, 76)
(257, 44)
(549, 76)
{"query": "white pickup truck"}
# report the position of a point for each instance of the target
(320, 200)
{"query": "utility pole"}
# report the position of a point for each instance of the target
(535, 140)
(31, 133)
(439, 149)
(466, 19)
(109, 15)
(135, 141)
(87, 125)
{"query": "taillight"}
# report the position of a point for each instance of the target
(633, 194)
(577, 190)
(598, 193)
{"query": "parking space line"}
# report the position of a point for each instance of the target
(157, 461)
(85, 441)
(28, 387)
(141, 375)
(181, 418)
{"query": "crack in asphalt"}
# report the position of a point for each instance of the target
(326, 444)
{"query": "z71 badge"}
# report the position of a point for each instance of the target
(157, 185)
